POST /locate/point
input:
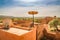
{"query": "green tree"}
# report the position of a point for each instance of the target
(54, 23)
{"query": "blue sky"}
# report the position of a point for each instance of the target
(6, 3)
(20, 8)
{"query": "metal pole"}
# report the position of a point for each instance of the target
(32, 25)
(33, 20)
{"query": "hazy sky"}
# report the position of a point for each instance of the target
(20, 8)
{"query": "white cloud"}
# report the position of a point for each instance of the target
(23, 11)
(26, 0)
(26, 3)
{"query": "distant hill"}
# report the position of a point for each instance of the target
(1, 16)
